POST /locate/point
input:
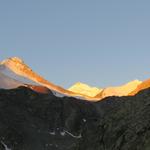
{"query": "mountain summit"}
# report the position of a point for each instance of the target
(84, 89)
(144, 85)
(122, 90)
(19, 72)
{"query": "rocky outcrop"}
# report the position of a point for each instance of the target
(39, 89)
(35, 121)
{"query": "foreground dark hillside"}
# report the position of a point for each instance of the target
(32, 121)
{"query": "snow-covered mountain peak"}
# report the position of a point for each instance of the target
(16, 64)
(17, 69)
(84, 89)
(122, 90)
(16, 60)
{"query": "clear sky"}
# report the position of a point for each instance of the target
(99, 42)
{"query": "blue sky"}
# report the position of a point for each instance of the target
(99, 42)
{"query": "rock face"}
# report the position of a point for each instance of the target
(124, 124)
(123, 90)
(39, 89)
(34, 121)
(84, 89)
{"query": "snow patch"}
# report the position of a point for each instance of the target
(57, 94)
(8, 83)
(5, 146)
(84, 120)
(56, 145)
(62, 133)
(74, 136)
(52, 133)
(11, 74)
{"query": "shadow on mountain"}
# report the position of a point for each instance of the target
(36, 121)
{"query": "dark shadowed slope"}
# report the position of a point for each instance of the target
(33, 121)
